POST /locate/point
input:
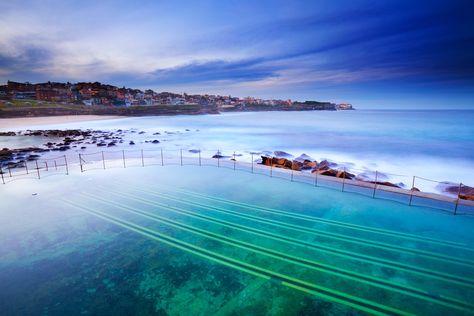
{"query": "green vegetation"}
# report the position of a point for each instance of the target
(23, 108)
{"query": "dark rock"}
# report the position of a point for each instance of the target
(155, 141)
(83, 147)
(345, 175)
(386, 183)
(415, 189)
(469, 197)
(111, 144)
(6, 154)
(454, 189)
(7, 134)
(326, 172)
(101, 144)
(131, 142)
(324, 165)
(308, 165)
(267, 161)
(296, 165)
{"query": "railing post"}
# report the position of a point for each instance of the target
(103, 160)
(234, 160)
(252, 161)
(143, 160)
(181, 156)
(67, 168)
(343, 178)
(218, 158)
(199, 157)
(457, 200)
(37, 169)
(292, 175)
(375, 184)
(271, 169)
(26, 167)
(9, 171)
(80, 162)
(1, 173)
(162, 160)
(55, 165)
(316, 178)
(46, 164)
(411, 190)
(123, 157)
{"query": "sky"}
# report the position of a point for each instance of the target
(373, 54)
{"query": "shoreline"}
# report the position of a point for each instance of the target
(191, 132)
(83, 141)
(17, 122)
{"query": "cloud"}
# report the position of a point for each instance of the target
(288, 46)
(215, 70)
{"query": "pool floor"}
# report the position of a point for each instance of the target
(201, 241)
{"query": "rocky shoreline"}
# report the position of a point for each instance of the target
(65, 140)
(326, 168)
(61, 141)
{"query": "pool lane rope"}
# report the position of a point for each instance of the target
(361, 304)
(340, 252)
(330, 235)
(311, 264)
(369, 229)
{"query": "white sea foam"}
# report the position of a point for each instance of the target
(400, 144)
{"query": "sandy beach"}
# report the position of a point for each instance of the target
(24, 122)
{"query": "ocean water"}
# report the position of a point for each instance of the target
(212, 241)
(432, 144)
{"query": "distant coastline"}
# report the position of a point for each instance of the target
(85, 98)
(54, 109)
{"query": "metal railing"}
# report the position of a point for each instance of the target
(368, 183)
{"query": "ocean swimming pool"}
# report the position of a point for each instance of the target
(206, 241)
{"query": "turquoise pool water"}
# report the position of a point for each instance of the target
(202, 241)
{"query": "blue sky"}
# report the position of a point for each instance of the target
(374, 54)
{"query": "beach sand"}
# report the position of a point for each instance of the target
(9, 123)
